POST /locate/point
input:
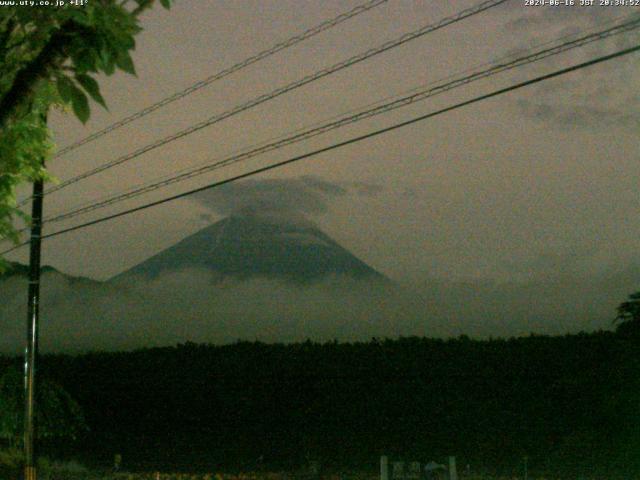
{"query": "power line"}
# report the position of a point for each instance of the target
(350, 141)
(487, 4)
(368, 113)
(379, 102)
(311, 32)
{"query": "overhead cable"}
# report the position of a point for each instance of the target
(481, 7)
(350, 141)
(311, 32)
(349, 119)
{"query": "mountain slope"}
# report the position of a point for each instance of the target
(244, 246)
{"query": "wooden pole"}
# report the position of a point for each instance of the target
(31, 350)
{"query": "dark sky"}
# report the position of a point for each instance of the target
(539, 185)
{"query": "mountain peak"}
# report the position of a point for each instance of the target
(274, 217)
(253, 243)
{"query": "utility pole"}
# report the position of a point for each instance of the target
(31, 350)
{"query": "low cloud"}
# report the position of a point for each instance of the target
(192, 305)
(566, 113)
(307, 195)
(592, 97)
(565, 18)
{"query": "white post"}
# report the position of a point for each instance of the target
(384, 467)
(453, 472)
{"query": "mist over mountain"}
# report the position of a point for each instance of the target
(269, 276)
(273, 276)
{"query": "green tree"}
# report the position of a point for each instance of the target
(50, 57)
(629, 316)
(58, 415)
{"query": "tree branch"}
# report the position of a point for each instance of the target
(40, 68)
(26, 80)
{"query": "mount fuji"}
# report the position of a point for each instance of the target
(251, 245)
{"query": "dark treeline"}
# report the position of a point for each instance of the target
(571, 404)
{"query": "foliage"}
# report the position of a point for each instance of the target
(629, 316)
(51, 57)
(57, 415)
(70, 470)
(570, 403)
(11, 462)
(22, 145)
(11, 458)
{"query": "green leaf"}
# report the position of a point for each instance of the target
(70, 93)
(124, 62)
(166, 4)
(92, 88)
(84, 60)
(79, 16)
(65, 88)
(106, 61)
(80, 105)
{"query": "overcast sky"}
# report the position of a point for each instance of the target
(536, 185)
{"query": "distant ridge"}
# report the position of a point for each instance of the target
(15, 269)
(18, 269)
